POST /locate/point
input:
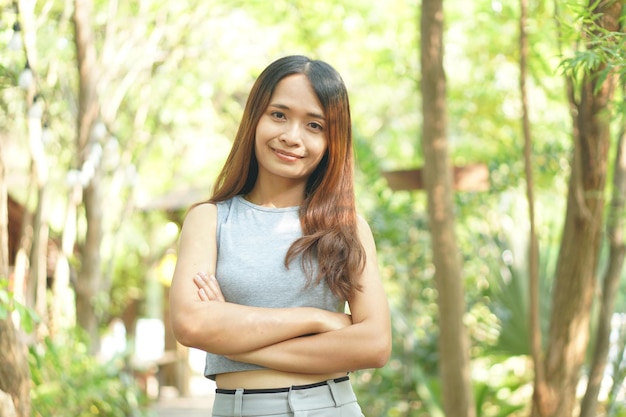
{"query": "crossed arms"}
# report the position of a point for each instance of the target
(272, 337)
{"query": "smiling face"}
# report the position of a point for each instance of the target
(291, 137)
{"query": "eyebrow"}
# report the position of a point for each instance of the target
(284, 107)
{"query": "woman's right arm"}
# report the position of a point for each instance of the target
(221, 327)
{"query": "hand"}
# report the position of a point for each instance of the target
(208, 287)
(335, 321)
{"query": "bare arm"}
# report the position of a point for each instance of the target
(364, 344)
(216, 326)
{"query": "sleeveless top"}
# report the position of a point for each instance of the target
(252, 242)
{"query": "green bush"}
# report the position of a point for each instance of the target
(70, 382)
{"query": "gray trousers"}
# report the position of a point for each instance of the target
(332, 398)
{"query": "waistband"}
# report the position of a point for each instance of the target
(325, 394)
(285, 389)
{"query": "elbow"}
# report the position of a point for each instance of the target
(183, 330)
(188, 329)
(381, 353)
(191, 332)
(378, 353)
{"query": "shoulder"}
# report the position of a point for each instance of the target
(202, 210)
(362, 226)
(200, 217)
(364, 232)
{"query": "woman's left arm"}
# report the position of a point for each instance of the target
(364, 344)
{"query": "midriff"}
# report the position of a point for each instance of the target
(268, 378)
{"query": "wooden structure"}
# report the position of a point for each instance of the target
(474, 177)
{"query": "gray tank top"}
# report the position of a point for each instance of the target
(251, 245)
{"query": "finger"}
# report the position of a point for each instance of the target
(202, 295)
(202, 284)
(210, 286)
(215, 286)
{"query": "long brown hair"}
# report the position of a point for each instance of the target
(328, 213)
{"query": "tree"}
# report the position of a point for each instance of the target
(575, 277)
(14, 371)
(533, 246)
(453, 340)
(610, 281)
(115, 98)
(90, 273)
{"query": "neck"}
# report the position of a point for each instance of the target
(278, 197)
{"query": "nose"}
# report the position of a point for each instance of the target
(292, 135)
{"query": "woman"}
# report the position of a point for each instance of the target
(266, 266)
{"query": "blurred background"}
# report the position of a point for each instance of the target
(116, 116)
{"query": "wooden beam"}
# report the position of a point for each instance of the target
(473, 177)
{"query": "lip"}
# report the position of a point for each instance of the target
(286, 155)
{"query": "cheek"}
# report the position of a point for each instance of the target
(322, 148)
(323, 153)
(259, 137)
(263, 129)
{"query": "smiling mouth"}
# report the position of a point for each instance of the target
(286, 155)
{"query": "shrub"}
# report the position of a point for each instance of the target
(70, 382)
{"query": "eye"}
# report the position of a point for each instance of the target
(277, 114)
(316, 126)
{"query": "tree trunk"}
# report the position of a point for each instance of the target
(617, 249)
(91, 297)
(4, 223)
(63, 304)
(14, 371)
(539, 392)
(453, 339)
(88, 291)
(575, 280)
(37, 273)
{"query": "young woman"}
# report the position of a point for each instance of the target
(266, 266)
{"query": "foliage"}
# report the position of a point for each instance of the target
(173, 106)
(68, 381)
(603, 49)
(510, 298)
(9, 305)
(617, 369)
(410, 381)
(6, 76)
